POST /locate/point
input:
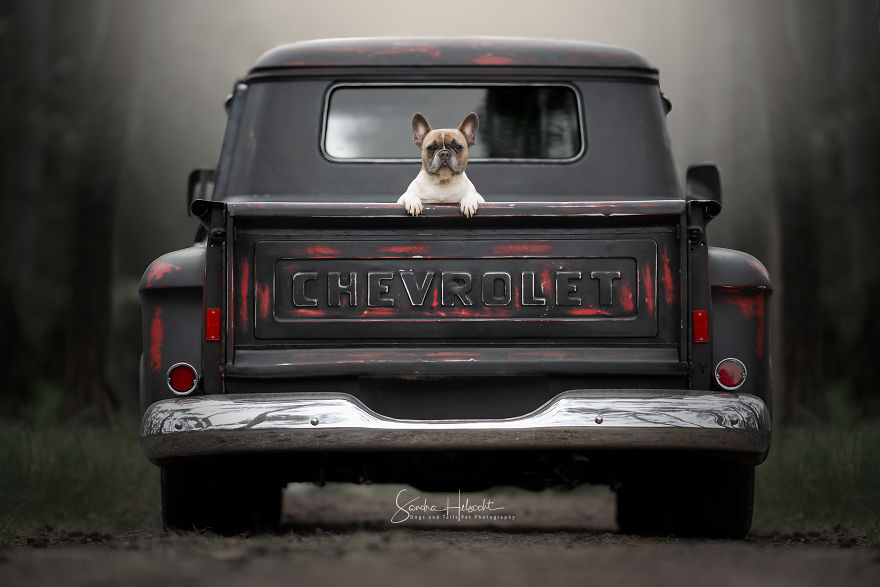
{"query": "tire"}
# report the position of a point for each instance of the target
(220, 498)
(691, 496)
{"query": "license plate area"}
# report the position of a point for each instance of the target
(537, 289)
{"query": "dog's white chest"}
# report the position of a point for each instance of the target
(430, 190)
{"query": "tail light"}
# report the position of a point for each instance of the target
(730, 374)
(182, 379)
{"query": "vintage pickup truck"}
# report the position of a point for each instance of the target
(577, 329)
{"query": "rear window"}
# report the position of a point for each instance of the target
(517, 122)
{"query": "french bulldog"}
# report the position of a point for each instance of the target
(442, 179)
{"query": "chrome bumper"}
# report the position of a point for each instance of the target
(574, 420)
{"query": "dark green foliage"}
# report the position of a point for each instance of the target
(75, 478)
(819, 479)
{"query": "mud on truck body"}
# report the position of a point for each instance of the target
(577, 329)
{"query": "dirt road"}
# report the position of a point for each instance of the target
(372, 536)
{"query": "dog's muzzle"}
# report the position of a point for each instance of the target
(444, 158)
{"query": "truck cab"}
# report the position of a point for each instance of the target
(578, 329)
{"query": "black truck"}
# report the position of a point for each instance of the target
(577, 329)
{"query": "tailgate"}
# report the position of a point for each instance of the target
(363, 289)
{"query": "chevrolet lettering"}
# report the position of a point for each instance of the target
(336, 289)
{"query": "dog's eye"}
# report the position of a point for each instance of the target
(457, 148)
(431, 148)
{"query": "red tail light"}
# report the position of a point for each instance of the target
(701, 326)
(212, 324)
(182, 379)
(730, 374)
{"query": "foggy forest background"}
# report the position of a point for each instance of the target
(105, 106)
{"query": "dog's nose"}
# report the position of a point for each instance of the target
(444, 155)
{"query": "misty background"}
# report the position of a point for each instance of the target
(106, 105)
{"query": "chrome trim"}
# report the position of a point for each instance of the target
(577, 419)
(718, 379)
(195, 378)
(244, 205)
(416, 159)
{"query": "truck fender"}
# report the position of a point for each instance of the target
(741, 291)
(171, 306)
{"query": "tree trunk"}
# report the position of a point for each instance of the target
(858, 77)
(794, 107)
(91, 246)
(24, 62)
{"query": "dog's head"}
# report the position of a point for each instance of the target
(444, 150)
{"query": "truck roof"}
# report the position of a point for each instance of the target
(449, 51)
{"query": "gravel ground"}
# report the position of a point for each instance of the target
(347, 535)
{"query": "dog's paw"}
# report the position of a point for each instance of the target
(412, 203)
(470, 203)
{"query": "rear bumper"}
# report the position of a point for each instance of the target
(573, 420)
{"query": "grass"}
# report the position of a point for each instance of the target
(59, 478)
(821, 479)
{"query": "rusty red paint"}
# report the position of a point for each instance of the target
(321, 251)
(648, 283)
(490, 59)
(546, 285)
(474, 313)
(626, 296)
(406, 250)
(668, 282)
(751, 305)
(520, 249)
(377, 312)
(244, 289)
(308, 313)
(159, 270)
(588, 312)
(263, 300)
(157, 337)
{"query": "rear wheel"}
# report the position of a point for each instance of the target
(223, 499)
(693, 496)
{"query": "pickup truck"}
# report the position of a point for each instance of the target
(577, 329)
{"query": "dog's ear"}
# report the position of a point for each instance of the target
(468, 128)
(420, 128)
